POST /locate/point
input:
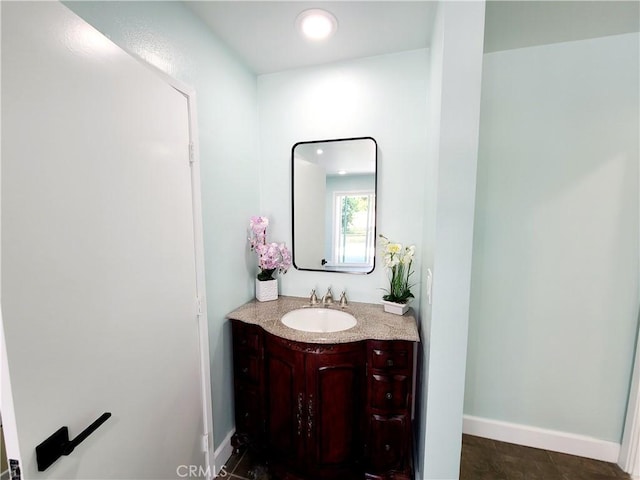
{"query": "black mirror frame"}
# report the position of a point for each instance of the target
(375, 206)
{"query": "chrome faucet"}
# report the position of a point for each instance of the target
(313, 300)
(328, 298)
(343, 299)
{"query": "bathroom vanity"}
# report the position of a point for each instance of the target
(322, 405)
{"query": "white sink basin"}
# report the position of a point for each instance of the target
(322, 320)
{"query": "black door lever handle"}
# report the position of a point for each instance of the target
(59, 444)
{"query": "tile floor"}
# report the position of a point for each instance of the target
(482, 459)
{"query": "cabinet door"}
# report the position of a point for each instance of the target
(248, 417)
(248, 352)
(335, 400)
(285, 403)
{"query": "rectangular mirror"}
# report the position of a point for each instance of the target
(334, 205)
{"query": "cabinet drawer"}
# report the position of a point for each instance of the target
(390, 355)
(389, 391)
(246, 337)
(247, 368)
(388, 446)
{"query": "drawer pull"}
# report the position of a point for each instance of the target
(387, 447)
(299, 413)
(390, 362)
(310, 413)
(246, 415)
(389, 396)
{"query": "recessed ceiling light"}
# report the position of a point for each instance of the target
(319, 151)
(316, 24)
(342, 172)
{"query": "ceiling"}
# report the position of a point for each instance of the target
(353, 157)
(264, 35)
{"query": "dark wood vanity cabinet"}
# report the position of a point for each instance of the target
(313, 426)
(248, 382)
(388, 410)
(316, 411)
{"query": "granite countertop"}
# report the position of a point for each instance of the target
(373, 322)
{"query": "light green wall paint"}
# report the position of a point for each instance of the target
(383, 97)
(448, 209)
(170, 36)
(554, 306)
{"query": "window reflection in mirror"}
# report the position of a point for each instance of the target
(334, 205)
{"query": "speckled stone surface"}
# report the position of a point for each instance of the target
(373, 322)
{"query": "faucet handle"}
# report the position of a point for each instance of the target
(343, 299)
(313, 300)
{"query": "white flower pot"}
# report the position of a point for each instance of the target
(395, 308)
(266, 290)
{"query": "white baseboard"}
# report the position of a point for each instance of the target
(223, 452)
(4, 475)
(553, 440)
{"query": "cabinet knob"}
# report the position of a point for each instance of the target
(243, 341)
(387, 447)
(246, 415)
(390, 362)
(389, 396)
(245, 370)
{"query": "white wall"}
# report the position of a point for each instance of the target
(170, 36)
(554, 307)
(310, 181)
(383, 97)
(454, 111)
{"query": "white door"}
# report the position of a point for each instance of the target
(98, 286)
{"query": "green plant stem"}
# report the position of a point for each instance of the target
(400, 288)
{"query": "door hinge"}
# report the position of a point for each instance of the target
(205, 442)
(199, 306)
(192, 156)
